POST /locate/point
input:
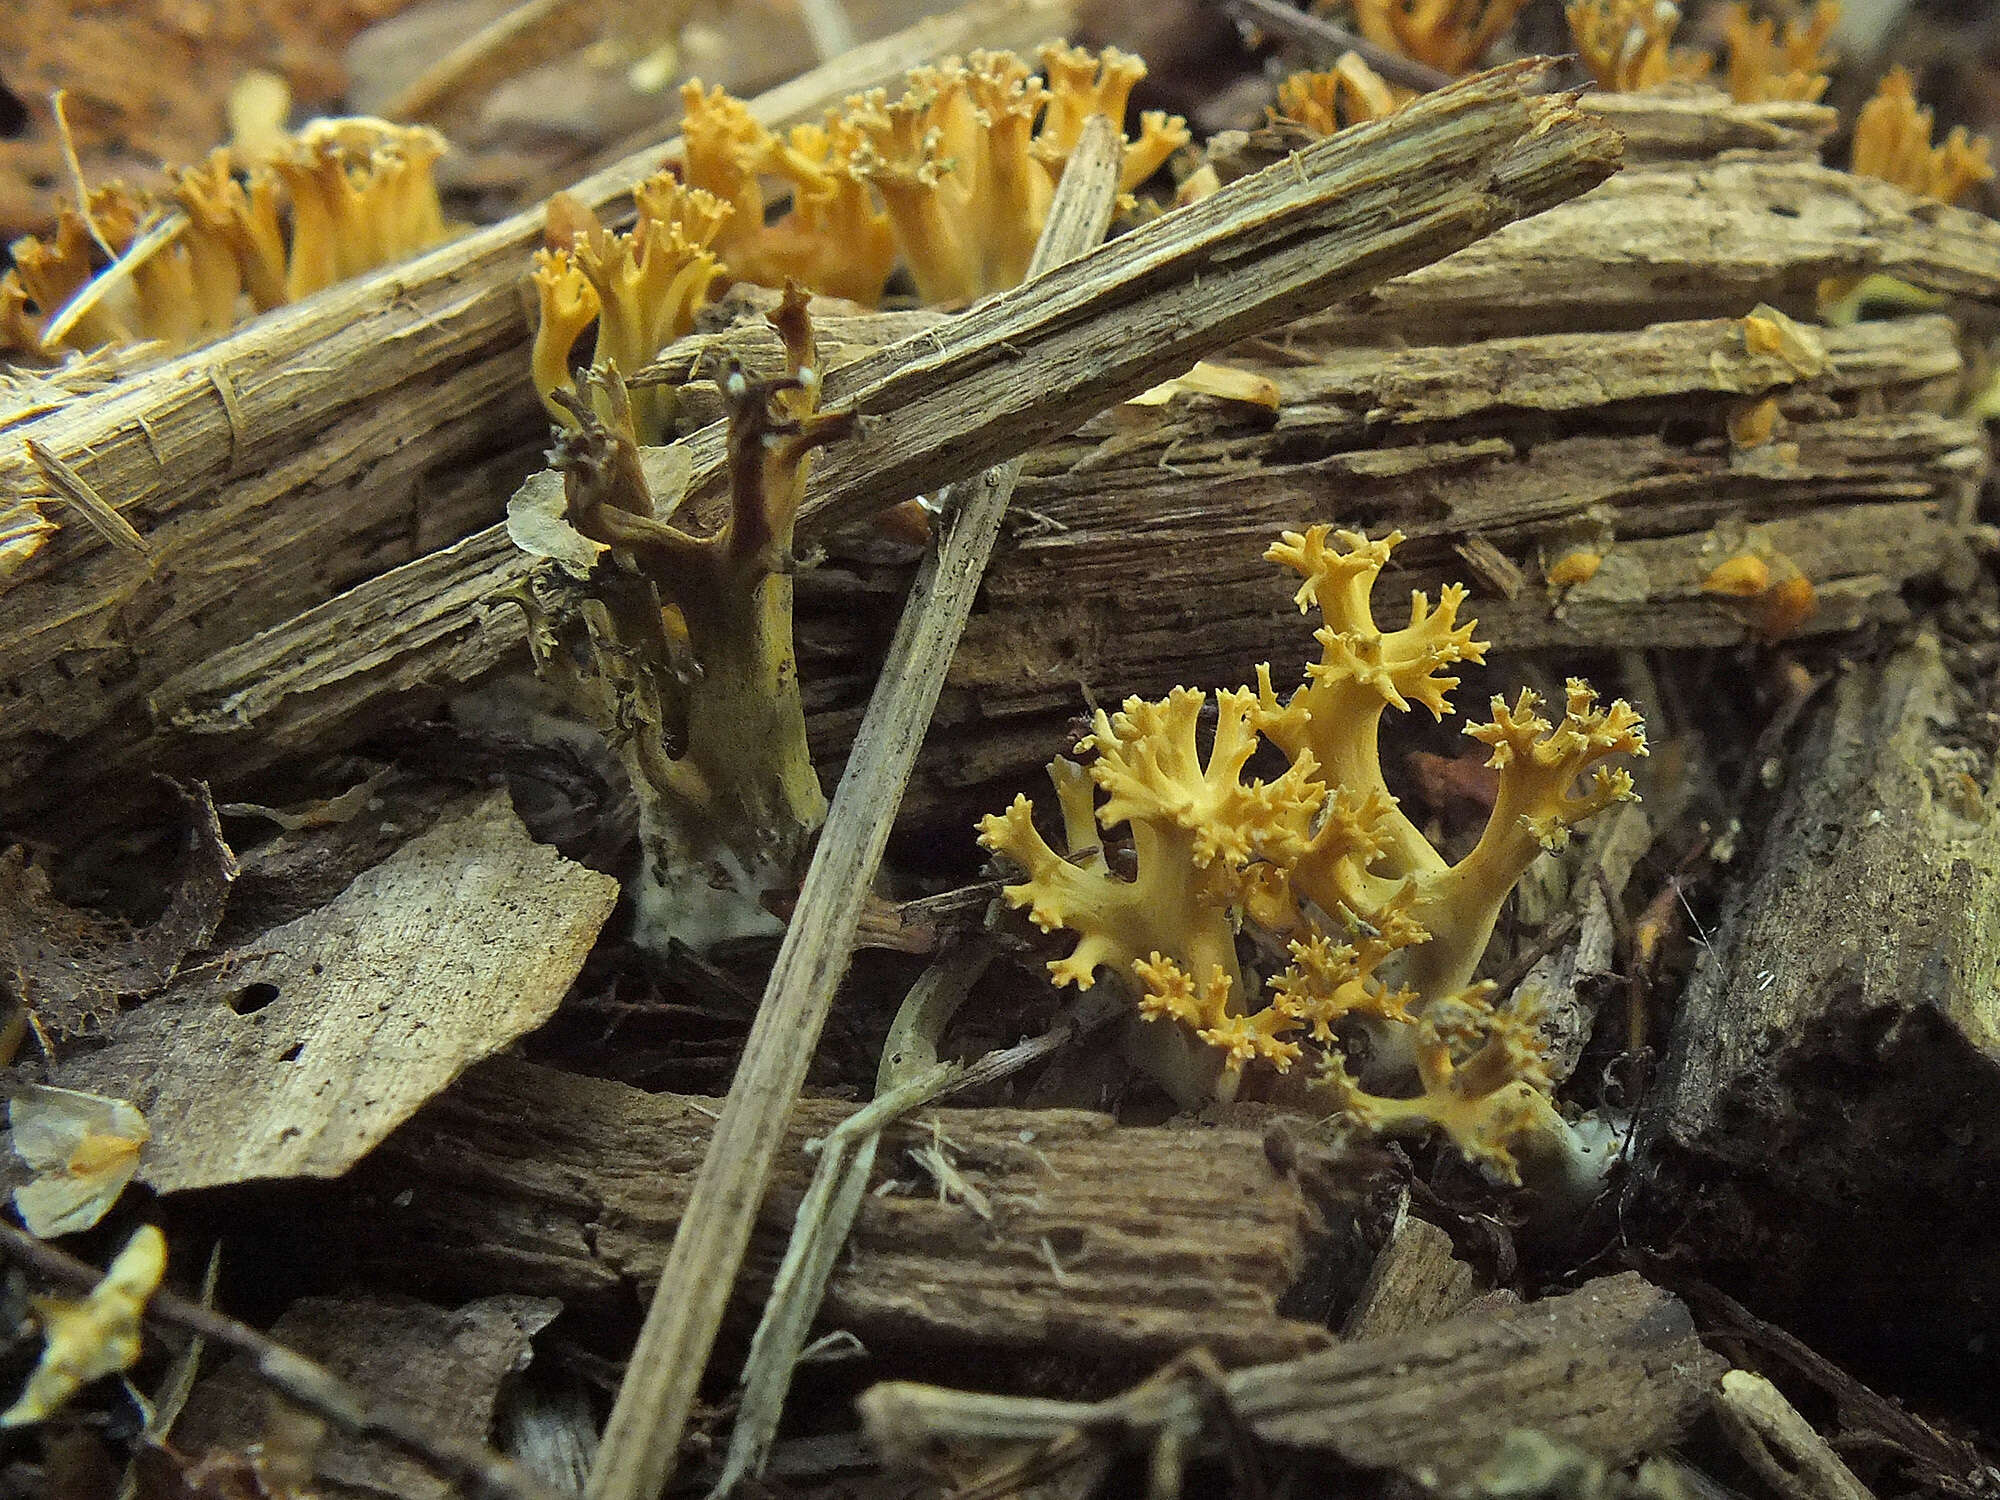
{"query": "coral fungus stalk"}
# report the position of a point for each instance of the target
(711, 727)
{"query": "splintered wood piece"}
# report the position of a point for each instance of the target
(1614, 1369)
(444, 1366)
(298, 1055)
(1120, 1246)
(1415, 1281)
(1826, 1112)
(1683, 242)
(1085, 592)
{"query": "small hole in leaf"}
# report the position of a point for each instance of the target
(253, 998)
(1066, 1240)
(291, 1053)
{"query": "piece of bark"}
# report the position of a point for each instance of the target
(1415, 1281)
(1695, 122)
(1822, 1135)
(1614, 1368)
(316, 446)
(71, 969)
(1682, 242)
(1114, 1245)
(444, 1365)
(295, 1056)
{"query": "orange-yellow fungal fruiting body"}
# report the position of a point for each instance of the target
(1892, 140)
(1346, 94)
(951, 179)
(1449, 35)
(339, 198)
(1573, 568)
(1765, 67)
(1627, 44)
(1740, 577)
(1382, 932)
(640, 288)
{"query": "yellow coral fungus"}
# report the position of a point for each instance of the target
(1762, 67)
(951, 178)
(1346, 94)
(1892, 140)
(708, 719)
(97, 1336)
(340, 198)
(1382, 932)
(641, 288)
(1450, 35)
(1626, 44)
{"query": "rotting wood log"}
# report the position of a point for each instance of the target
(1614, 1368)
(1822, 1139)
(1072, 1235)
(1149, 521)
(1020, 367)
(316, 446)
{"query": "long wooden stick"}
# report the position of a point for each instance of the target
(643, 1436)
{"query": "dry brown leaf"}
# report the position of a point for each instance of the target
(72, 968)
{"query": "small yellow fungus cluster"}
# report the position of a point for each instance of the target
(1892, 140)
(952, 179)
(1627, 44)
(1346, 94)
(639, 288)
(341, 197)
(1449, 35)
(1764, 67)
(96, 1336)
(1767, 589)
(1381, 930)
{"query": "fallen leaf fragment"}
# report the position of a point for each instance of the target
(294, 1057)
(72, 968)
(94, 1337)
(83, 1148)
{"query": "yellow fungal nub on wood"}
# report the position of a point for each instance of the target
(1740, 577)
(1573, 568)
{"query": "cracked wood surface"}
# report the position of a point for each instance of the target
(1826, 1109)
(1121, 1245)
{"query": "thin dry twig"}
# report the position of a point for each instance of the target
(474, 1466)
(642, 1439)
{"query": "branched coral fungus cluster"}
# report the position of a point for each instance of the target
(342, 197)
(1383, 934)
(950, 181)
